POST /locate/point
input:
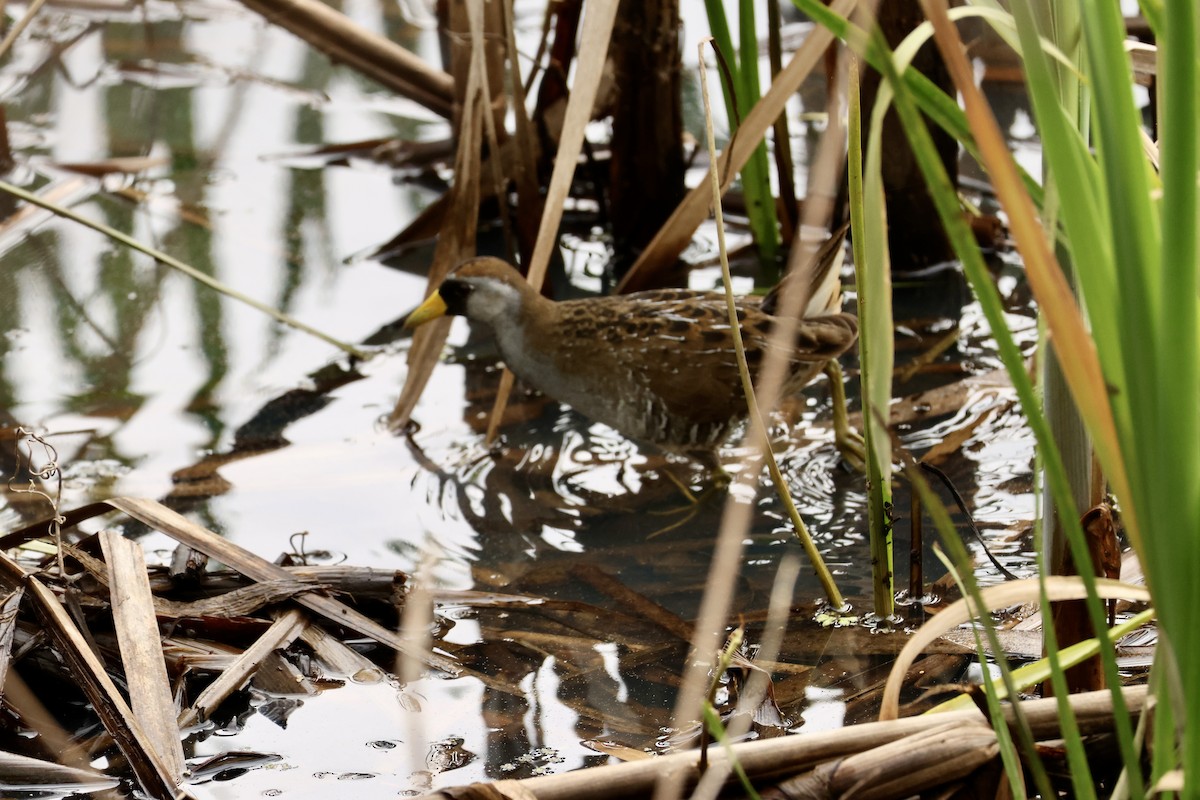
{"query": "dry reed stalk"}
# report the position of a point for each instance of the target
(738, 512)
(339, 658)
(416, 626)
(285, 630)
(461, 31)
(357, 581)
(276, 674)
(241, 601)
(589, 71)
(455, 242)
(171, 523)
(238, 602)
(347, 42)
(16, 31)
(66, 191)
(1056, 587)
(903, 768)
(141, 650)
(185, 653)
(760, 680)
(523, 168)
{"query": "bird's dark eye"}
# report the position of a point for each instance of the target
(455, 293)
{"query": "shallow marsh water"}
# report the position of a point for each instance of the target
(143, 381)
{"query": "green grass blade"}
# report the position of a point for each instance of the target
(756, 175)
(739, 99)
(712, 721)
(1077, 760)
(1133, 219)
(1165, 758)
(946, 201)
(1172, 462)
(760, 208)
(1032, 674)
(940, 107)
(872, 271)
(1155, 310)
(1076, 176)
(836, 600)
(748, 88)
(1000, 21)
(1055, 96)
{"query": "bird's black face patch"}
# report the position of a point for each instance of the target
(455, 293)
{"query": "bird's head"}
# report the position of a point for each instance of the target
(482, 289)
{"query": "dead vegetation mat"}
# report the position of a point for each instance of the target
(147, 656)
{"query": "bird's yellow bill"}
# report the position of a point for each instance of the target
(433, 307)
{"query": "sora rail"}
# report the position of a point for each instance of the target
(658, 366)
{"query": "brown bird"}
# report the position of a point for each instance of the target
(658, 366)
